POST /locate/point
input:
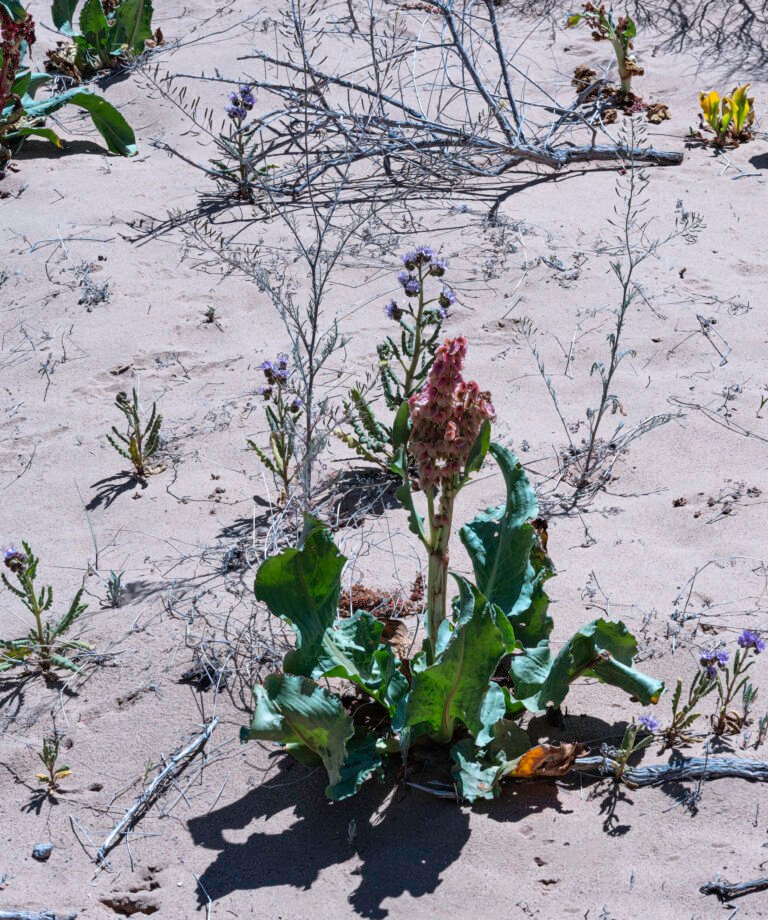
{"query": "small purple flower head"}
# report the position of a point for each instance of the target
(711, 660)
(649, 724)
(266, 392)
(277, 372)
(421, 256)
(392, 311)
(296, 405)
(438, 267)
(750, 639)
(236, 112)
(15, 559)
(447, 298)
(436, 315)
(246, 97)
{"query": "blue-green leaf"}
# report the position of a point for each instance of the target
(132, 25)
(302, 587)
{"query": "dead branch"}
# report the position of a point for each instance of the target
(725, 890)
(684, 768)
(159, 785)
(34, 915)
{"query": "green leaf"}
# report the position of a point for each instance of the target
(479, 449)
(405, 496)
(302, 587)
(75, 609)
(107, 120)
(62, 13)
(573, 20)
(363, 759)
(478, 772)
(353, 650)
(509, 564)
(110, 124)
(132, 25)
(295, 710)
(47, 133)
(401, 427)
(601, 649)
(94, 29)
(457, 688)
(14, 9)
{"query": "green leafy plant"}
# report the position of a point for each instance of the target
(44, 647)
(630, 745)
(731, 679)
(140, 442)
(404, 363)
(112, 33)
(49, 755)
(684, 713)
(619, 32)
(730, 118)
(486, 658)
(281, 406)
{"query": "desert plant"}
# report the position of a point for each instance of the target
(685, 714)
(729, 117)
(486, 657)
(111, 33)
(49, 756)
(403, 365)
(44, 646)
(115, 589)
(620, 757)
(140, 442)
(732, 679)
(281, 406)
(619, 32)
(21, 115)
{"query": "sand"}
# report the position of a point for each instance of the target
(252, 835)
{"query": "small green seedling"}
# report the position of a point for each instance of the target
(730, 118)
(685, 714)
(44, 647)
(140, 443)
(115, 589)
(49, 756)
(630, 746)
(619, 32)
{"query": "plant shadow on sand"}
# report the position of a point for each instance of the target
(402, 839)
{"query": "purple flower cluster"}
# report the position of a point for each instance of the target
(712, 660)
(447, 298)
(14, 559)
(649, 724)
(750, 639)
(240, 103)
(392, 311)
(425, 256)
(410, 284)
(277, 374)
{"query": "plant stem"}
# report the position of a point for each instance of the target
(414, 365)
(437, 571)
(34, 606)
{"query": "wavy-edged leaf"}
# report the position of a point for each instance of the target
(602, 649)
(293, 711)
(94, 29)
(302, 587)
(457, 687)
(478, 771)
(509, 563)
(353, 649)
(364, 757)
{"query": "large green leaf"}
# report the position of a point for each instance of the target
(295, 711)
(602, 649)
(62, 13)
(115, 130)
(352, 649)
(510, 565)
(94, 28)
(132, 25)
(457, 686)
(15, 10)
(302, 587)
(364, 757)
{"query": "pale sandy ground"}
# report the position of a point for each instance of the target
(255, 830)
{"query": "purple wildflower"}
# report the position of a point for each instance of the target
(751, 639)
(15, 559)
(296, 405)
(711, 660)
(266, 392)
(421, 256)
(438, 267)
(236, 112)
(447, 298)
(277, 372)
(392, 311)
(649, 724)
(246, 97)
